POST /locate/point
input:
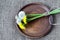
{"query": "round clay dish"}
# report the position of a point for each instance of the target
(39, 27)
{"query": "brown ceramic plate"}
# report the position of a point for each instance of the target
(39, 27)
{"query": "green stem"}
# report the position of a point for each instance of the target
(32, 14)
(30, 19)
(35, 16)
(56, 11)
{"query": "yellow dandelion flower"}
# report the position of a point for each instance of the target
(21, 26)
(25, 19)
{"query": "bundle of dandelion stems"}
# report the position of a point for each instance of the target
(31, 17)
